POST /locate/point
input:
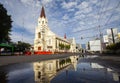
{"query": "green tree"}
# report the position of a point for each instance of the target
(67, 47)
(115, 46)
(5, 25)
(61, 46)
(22, 46)
(68, 60)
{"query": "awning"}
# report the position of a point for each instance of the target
(7, 45)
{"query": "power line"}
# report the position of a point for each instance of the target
(100, 13)
(106, 23)
(87, 37)
(111, 15)
(101, 25)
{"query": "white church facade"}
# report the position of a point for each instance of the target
(46, 40)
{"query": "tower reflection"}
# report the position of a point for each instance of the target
(45, 71)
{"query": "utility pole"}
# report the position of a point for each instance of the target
(112, 36)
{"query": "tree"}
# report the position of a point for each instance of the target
(5, 25)
(114, 47)
(67, 47)
(61, 46)
(22, 46)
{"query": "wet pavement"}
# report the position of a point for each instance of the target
(73, 69)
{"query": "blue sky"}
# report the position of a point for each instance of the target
(76, 18)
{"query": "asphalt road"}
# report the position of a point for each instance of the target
(6, 60)
(110, 61)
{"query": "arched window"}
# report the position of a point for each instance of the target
(39, 35)
(42, 22)
(39, 75)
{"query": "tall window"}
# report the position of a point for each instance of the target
(50, 66)
(42, 22)
(39, 75)
(39, 35)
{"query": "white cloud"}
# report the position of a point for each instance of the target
(83, 8)
(44, 2)
(80, 28)
(87, 10)
(21, 37)
(26, 22)
(83, 5)
(27, 2)
(68, 5)
(82, 23)
(38, 4)
(58, 29)
(94, 1)
(76, 29)
(79, 15)
(65, 17)
(71, 10)
(114, 18)
(118, 9)
(96, 16)
(78, 12)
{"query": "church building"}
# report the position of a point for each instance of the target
(46, 40)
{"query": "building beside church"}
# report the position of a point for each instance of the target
(46, 40)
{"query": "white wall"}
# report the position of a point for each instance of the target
(95, 45)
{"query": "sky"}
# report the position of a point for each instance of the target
(76, 18)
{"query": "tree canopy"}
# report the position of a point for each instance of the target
(21, 46)
(115, 46)
(5, 25)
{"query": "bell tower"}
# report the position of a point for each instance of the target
(41, 32)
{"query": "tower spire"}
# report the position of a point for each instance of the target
(65, 36)
(42, 13)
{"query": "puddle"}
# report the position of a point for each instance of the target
(65, 70)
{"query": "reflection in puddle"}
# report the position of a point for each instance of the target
(96, 72)
(17, 73)
(45, 71)
(88, 73)
(64, 70)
